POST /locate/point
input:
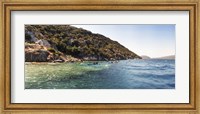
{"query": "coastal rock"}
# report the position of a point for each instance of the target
(90, 58)
(56, 58)
(36, 55)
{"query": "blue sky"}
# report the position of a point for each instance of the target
(151, 40)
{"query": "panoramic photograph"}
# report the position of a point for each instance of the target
(100, 56)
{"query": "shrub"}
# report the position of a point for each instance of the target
(27, 37)
(51, 50)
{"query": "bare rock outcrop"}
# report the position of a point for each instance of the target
(43, 42)
(38, 55)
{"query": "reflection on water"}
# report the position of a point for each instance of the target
(125, 74)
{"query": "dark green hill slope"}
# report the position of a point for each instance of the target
(76, 42)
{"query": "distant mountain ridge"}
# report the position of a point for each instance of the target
(167, 57)
(68, 43)
(145, 57)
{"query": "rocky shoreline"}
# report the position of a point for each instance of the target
(39, 53)
(35, 52)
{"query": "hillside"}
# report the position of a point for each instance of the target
(68, 43)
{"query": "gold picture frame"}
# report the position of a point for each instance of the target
(96, 5)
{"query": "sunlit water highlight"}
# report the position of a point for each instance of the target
(125, 74)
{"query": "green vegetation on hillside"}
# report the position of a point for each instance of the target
(77, 42)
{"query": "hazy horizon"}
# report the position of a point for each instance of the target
(149, 40)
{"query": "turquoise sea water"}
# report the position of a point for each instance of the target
(125, 74)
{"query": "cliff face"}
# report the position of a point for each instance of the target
(64, 41)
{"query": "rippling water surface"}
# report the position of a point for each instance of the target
(125, 74)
